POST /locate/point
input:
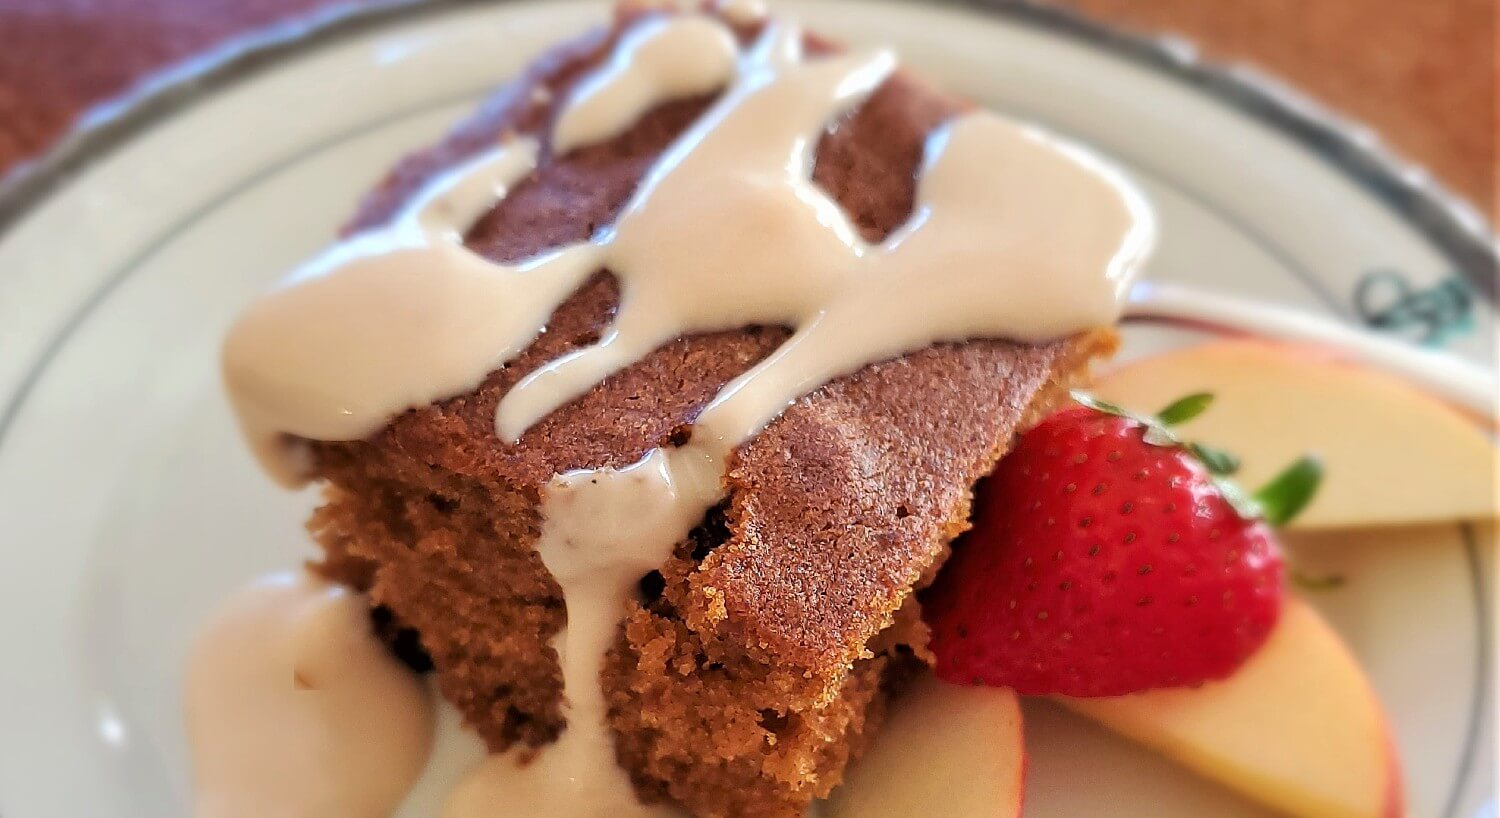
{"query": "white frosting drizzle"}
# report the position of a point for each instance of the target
(605, 529)
(727, 230)
(1015, 234)
(392, 318)
(296, 710)
(660, 59)
(1003, 235)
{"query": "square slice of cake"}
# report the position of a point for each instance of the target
(857, 325)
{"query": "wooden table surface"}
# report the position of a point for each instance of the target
(1422, 72)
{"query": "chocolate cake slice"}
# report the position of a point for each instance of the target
(758, 659)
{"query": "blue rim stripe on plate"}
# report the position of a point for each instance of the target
(1445, 219)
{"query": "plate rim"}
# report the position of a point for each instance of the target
(1452, 223)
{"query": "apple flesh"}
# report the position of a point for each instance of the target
(1297, 727)
(1392, 454)
(945, 751)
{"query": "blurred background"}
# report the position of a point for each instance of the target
(1420, 72)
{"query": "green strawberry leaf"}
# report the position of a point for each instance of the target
(1218, 461)
(1185, 409)
(1314, 582)
(1085, 399)
(1289, 492)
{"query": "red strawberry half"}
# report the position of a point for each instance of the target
(1108, 558)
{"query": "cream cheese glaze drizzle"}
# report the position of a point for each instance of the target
(391, 318)
(604, 529)
(660, 59)
(296, 710)
(1015, 234)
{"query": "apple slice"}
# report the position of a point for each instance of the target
(944, 750)
(1391, 453)
(1297, 727)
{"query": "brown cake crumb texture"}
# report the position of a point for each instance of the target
(761, 656)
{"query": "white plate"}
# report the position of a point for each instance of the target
(128, 506)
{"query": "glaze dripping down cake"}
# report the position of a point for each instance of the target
(747, 659)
